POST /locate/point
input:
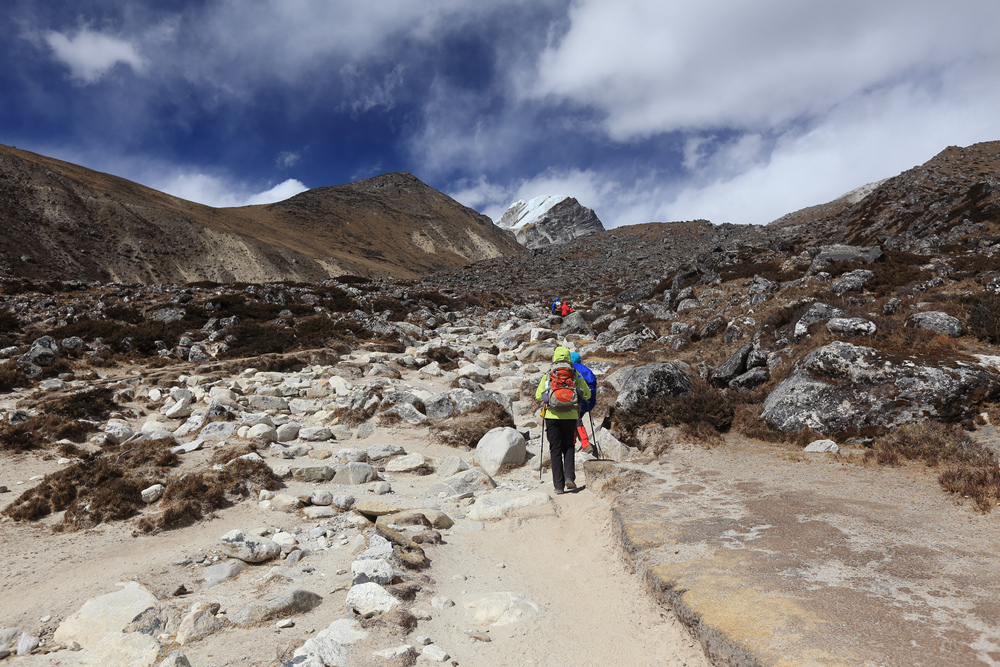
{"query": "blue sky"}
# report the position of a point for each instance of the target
(644, 110)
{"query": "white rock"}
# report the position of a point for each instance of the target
(501, 608)
(408, 463)
(118, 431)
(117, 648)
(153, 493)
(369, 598)
(822, 446)
(321, 497)
(248, 548)
(497, 505)
(500, 446)
(287, 432)
(434, 653)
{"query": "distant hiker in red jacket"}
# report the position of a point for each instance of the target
(566, 308)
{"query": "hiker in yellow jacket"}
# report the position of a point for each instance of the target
(559, 421)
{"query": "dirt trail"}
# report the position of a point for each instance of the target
(561, 556)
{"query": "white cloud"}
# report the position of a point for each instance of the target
(288, 159)
(90, 55)
(653, 67)
(221, 192)
(279, 192)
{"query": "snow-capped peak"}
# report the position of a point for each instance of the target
(521, 213)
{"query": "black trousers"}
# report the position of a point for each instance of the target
(562, 441)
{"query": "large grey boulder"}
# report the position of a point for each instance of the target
(355, 473)
(852, 281)
(439, 406)
(843, 387)
(500, 446)
(936, 321)
(652, 381)
(847, 253)
(479, 397)
(574, 324)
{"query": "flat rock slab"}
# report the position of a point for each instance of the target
(375, 508)
(294, 602)
(116, 648)
(105, 614)
(774, 562)
(498, 505)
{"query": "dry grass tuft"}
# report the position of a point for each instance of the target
(972, 471)
(39, 431)
(107, 487)
(468, 428)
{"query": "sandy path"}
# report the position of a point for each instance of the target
(593, 610)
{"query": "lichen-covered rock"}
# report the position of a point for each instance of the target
(936, 321)
(844, 388)
(647, 382)
(818, 312)
(248, 548)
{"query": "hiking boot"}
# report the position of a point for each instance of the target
(559, 492)
(570, 485)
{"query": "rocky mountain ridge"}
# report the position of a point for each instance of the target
(62, 221)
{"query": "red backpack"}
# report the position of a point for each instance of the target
(561, 391)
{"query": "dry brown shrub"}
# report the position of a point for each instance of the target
(972, 471)
(606, 397)
(468, 428)
(446, 357)
(389, 419)
(980, 483)
(39, 431)
(703, 403)
(11, 376)
(619, 485)
(94, 404)
(933, 443)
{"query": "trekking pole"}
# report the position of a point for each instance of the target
(541, 449)
(593, 436)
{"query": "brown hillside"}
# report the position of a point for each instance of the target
(63, 221)
(954, 198)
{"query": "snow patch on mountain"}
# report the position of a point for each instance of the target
(549, 220)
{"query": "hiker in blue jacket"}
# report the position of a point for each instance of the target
(588, 405)
(554, 309)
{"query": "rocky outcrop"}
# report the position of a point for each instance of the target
(846, 388)
(549, 220)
